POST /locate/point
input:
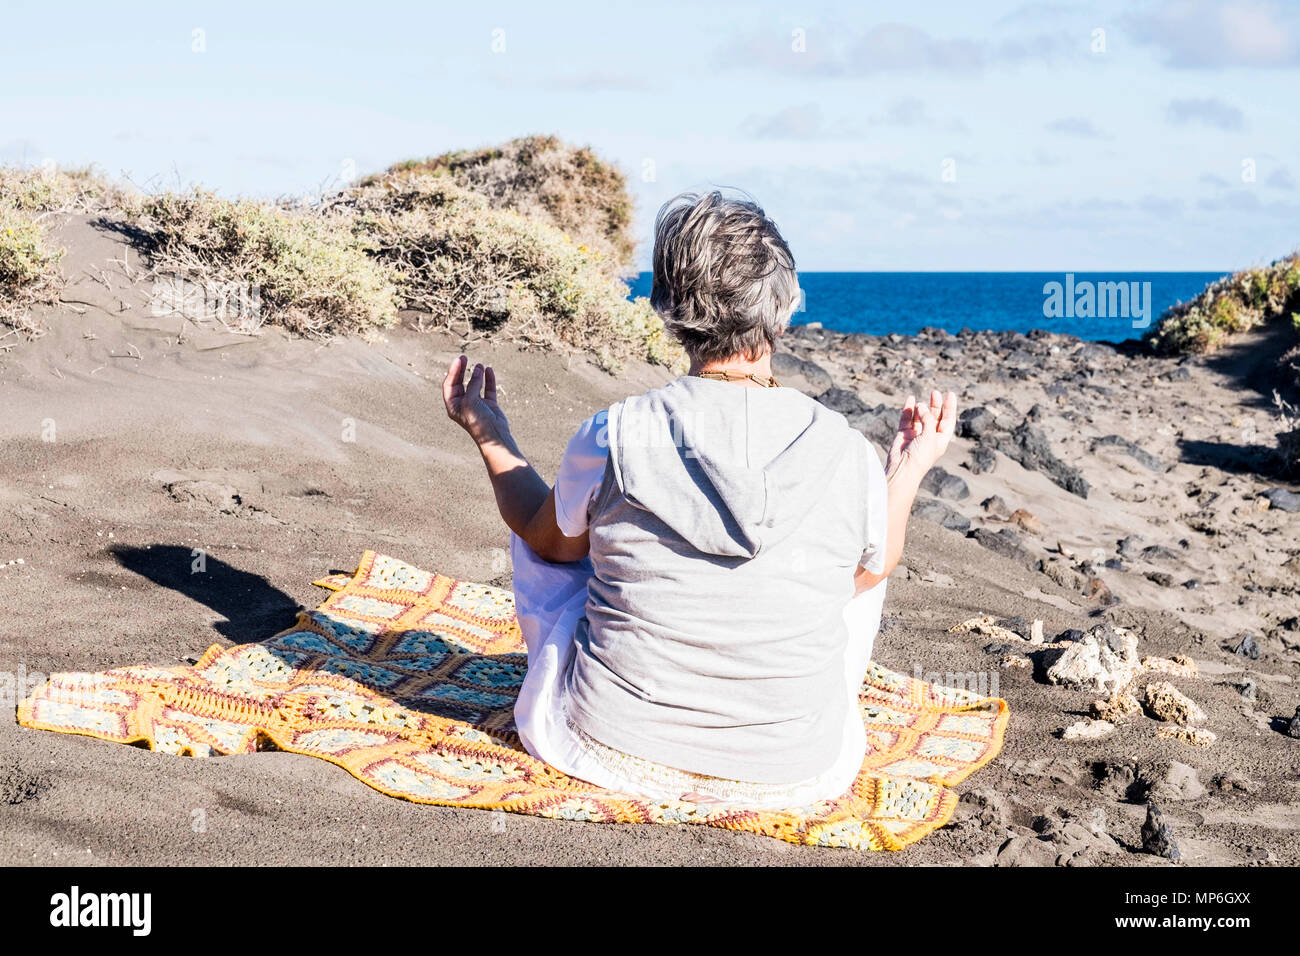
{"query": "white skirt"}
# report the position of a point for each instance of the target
(550, 599)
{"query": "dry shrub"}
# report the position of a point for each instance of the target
(1234, 304)
(28, 269)
(40, 190)
(545, 179)
(29, 272)
(527, 241)
(308, 273)
(462, 260)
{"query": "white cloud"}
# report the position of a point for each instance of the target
(1076, 126)
(901, 48)
(1280, 178)
(1212, 34)
(794, 122)
(1207, 110)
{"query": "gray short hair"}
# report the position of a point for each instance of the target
(724, 279)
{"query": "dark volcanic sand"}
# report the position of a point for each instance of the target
(248, 435)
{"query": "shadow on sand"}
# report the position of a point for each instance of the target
(1254, 363)
(253, 608)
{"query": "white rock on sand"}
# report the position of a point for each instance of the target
(1104, 660)
(1088, 730)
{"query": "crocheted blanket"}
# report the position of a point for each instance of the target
(407, 679)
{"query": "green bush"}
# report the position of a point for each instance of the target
(1234, 304)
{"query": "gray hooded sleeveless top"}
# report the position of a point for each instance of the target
(724, 539)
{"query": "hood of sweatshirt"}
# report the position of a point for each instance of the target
(730, 468)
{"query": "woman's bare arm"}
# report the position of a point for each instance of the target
(903, 485)
(526, 502)
(923, 436)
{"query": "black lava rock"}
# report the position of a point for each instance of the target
(1136, 452)
(1282, 500)
(1029, 446)
(982, 460)
(1017, 625)
(1158, 552)
(1006, 543)
(1130, 547)
(785, 365)
(995, 506)
(843, 401)
(931, 509)
(880, 424)
(1247, 647)
(975, 422)
(1158, 836)
(944, 484)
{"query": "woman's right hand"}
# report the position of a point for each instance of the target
(924, 433)
(479, 414)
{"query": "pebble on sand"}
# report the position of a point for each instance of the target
(1088, 729)
(986, 625)
(1249, 690)
(1180, 665)
(1027, 522)
(1247, 647)
(1196, 736)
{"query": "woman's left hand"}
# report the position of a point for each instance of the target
(924, 432)
(474, 406)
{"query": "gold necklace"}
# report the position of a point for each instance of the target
(722, 375)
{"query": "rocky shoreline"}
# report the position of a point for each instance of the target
(1163, 441)
(1126, 480)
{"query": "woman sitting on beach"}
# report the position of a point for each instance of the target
(701, 589)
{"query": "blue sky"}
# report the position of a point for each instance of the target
(975, 135)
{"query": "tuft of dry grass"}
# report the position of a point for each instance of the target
(80, 190)
(542, 178)
(461, 260)
(264, 264)
(29, 273)
(1234, 304)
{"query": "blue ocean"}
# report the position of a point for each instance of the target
(1110, 306)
